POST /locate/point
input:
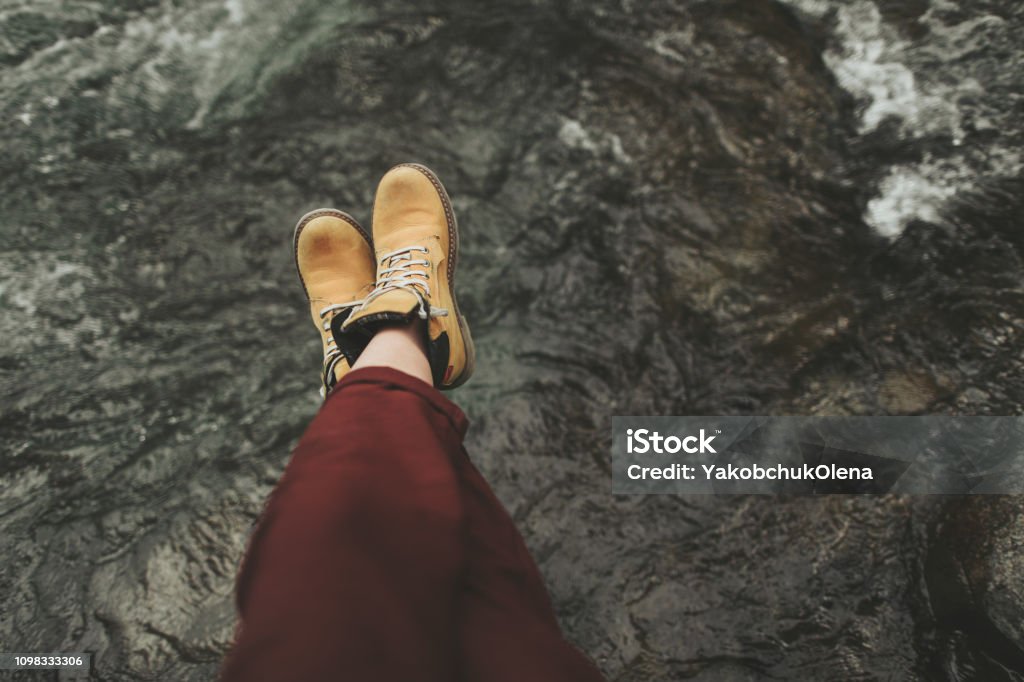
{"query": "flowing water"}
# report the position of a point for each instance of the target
(687, 207)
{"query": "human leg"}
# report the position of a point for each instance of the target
(399, 347)
(383, 554)
(354, 570)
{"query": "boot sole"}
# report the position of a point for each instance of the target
(453, 257)
(319, 213)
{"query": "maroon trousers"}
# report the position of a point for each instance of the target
(383, 555)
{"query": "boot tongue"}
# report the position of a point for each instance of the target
(395, 305)
(401, 301)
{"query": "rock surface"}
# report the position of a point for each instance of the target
(666, 208)
(975, 584)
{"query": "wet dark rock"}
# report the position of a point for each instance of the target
(975, 580)
(662, 208)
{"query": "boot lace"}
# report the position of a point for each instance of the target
(332, 354)
(396, 272)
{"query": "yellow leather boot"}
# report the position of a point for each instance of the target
(417, 242)
(335, 263)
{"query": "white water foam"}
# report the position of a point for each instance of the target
(909, 193)
(867, 65)
(875, 64)
(185, 54)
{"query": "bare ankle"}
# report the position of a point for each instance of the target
(401, 347)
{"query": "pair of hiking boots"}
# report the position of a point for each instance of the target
(402, 274)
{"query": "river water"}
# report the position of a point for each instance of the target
(689, 207)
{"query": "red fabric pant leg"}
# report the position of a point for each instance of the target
(362, 565)
(353, 569)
